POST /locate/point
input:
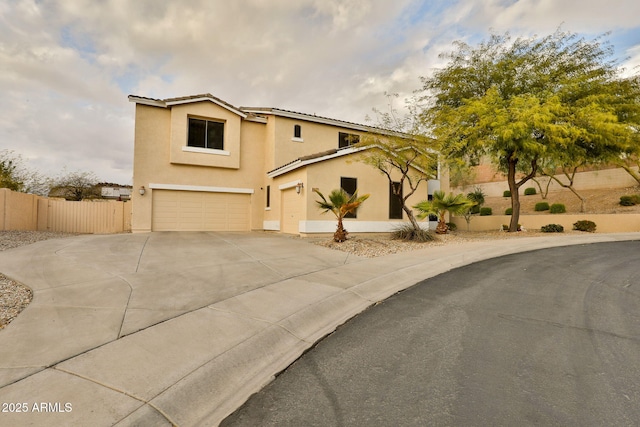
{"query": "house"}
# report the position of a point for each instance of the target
(201, 163)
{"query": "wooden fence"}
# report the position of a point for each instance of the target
(19, 211)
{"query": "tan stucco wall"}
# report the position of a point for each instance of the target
(153, 135)
(316, 138)
(605, 178)
(605, 223)
(205, 110)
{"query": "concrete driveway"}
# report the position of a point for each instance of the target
(181, 328)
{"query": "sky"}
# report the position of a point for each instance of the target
(68, 66)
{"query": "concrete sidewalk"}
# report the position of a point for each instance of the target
(181, 328)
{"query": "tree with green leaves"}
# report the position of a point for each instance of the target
(340, 203)
(529, 100)
(476, 197)
(440, 204)
(402, 153)
(15, 176)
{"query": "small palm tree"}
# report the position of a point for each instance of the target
(341, 204)
(440, 205)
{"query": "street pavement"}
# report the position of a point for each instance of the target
(550, 337)
(181, 328)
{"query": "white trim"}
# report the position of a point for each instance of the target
(300, 163)
(309, 118)
(271, 225)
(290, 184)
(206, 98)
(147, 101)
(178, 187)
(295, 139)
(205, 150)
(256, 119)
(355, 226)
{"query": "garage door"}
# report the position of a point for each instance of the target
(200, 211)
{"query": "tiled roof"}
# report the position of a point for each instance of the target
(314, 158)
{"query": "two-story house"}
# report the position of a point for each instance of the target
(201, 164)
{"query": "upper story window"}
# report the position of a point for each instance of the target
(206, 134)
(347, 139)
(297, 133)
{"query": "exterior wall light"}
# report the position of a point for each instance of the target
(299, 187)
(142, 190)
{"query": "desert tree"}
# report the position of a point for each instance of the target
(16, 176)
(76, 186)
(398, 148)
(524, 101)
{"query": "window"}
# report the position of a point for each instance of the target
(347, 139)
(395, 204)
(350, 185)
(297, 131)
(206, 134)
(268, 196)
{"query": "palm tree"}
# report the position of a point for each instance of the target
(440, 205)
(340, 203)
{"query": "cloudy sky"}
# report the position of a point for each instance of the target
(67, 66)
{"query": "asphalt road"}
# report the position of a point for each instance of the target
(550, 337)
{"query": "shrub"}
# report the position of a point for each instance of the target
(542, 206)
(627, 201)
(506, 193)
(505, 227)
(509, 211)
(584, 225)
(557, 208)
(407, 232)
(475, 209)
(485, 211)
(530, 191)
(552, 228)
(452, 226)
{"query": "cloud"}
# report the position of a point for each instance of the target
(66, 67)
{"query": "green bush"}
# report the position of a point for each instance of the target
(407, 232)
(506, 193)
(452, 226)
(542, 206)
(475, 209)
(552, 228)
(505, 227)
(630, 200)
(557, 208)
(626, 201)
(530, 191)
(485, 211)
(584, 225)
(509, 211)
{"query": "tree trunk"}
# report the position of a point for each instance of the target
(442, 227)
(341, 234)
(412, 219)
(515, 197)
(635, 175)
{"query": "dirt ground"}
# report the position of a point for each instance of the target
(597, 201)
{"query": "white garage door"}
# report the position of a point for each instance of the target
(200, 211)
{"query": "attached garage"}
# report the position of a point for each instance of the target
(200, 211)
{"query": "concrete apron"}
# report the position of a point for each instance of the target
(134, 329)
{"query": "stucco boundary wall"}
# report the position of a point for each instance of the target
(605, 223)
(592, 180)
(28, 212)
